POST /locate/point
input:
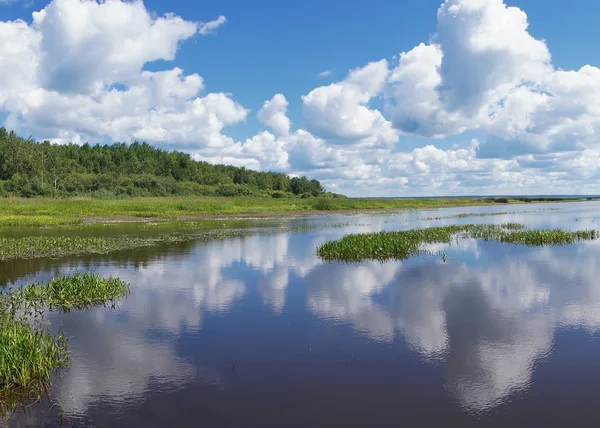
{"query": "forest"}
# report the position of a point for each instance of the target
(29, 168)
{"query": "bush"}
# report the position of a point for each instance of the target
(234, 190)
(4, 189)
(323, 205)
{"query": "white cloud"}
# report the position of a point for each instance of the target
(326, 73)
(85, 44)
(484, 71)
(78, 73)
(340, 111)
(210, 27)
(487, 52)
(273, 114)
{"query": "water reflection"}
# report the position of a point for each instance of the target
(489, 323)
(486, 317)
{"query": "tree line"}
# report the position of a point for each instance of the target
(30, 168)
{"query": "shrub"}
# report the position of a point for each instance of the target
(323, 205)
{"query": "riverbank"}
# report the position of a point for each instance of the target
(50, 212)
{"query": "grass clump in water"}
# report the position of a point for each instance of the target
(548, 237)
(79, 291)
(29, 354)
(404, 244)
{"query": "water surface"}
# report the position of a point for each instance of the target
(258, 332)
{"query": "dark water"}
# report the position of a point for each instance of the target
(258, 332)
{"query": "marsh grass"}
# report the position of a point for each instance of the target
(31, 247)
(35, 247)
(404, 244)
(37, 221)
(79, 291)
(50, 212)
(29, 354)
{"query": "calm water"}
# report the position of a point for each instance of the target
(258, 332)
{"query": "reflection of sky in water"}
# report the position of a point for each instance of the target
(486, 316)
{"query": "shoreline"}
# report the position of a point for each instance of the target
(65, 212)
(296, 214)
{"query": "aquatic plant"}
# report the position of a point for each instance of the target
(404, 244)
(29, 354)
(58, 246)
(31, 247)
(78, 291)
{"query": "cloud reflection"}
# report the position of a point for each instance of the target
(487, 319)
(487, 316)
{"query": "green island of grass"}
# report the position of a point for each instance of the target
(401, 245)
(29, 354)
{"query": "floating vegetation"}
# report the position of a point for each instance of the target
(402, 245)
(29, 354)
(34, 247)
(31, 247)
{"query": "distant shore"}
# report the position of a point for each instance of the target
(48, 212)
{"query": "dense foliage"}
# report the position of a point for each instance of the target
(28, 168)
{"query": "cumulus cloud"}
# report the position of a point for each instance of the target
(78, 72)
(484, 71)
(210, 27)
(273, 114)
(340, 111)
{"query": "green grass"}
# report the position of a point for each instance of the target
(36, 220)
(49, 212)
(29, 354)
(79, 291)
(402, 245)
(31, 247)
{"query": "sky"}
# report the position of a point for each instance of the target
(373, 98)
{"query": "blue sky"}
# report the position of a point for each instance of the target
(353, 137)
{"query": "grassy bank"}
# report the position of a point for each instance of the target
(46, 211)
(404, 244)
